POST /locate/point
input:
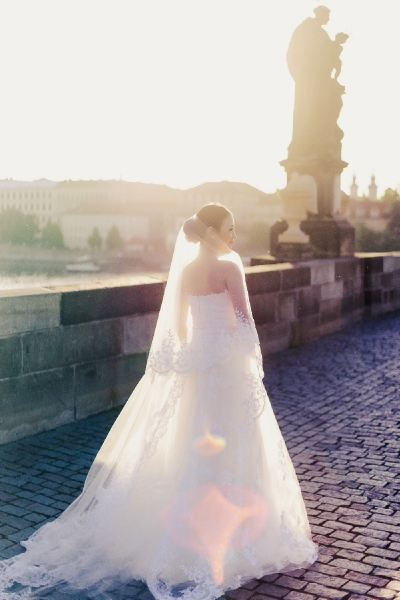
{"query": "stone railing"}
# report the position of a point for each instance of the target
(67, 352)
(310, 299)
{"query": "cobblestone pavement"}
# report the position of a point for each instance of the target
(337, 400)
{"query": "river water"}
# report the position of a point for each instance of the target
(22, 273)
(27, 274)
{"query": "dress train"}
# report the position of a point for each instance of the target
(193, 490)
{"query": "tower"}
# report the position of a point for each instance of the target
(354, 189)
(373, 189)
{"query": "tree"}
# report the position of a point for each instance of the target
(114, 240)
(368, 240)
(17, 228)
(393, 227)
(31, 229)
(94, 239)
(391, 195)
(388, 240)
(52, 236)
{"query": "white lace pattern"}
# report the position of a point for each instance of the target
(196, 450)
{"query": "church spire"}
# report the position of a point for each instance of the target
(354, 189)
(373, 189)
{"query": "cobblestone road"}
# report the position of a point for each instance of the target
(337, 400)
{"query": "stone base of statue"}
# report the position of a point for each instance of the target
(330, 236)
(285, 251)
(293, 252)
(288, 241)
(325, 171)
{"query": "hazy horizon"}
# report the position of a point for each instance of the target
(184, 92)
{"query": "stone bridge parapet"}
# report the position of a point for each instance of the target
(70, 351)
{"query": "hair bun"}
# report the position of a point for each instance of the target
(194, 229)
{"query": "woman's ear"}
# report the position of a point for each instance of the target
(211, 231)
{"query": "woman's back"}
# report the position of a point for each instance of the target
(205, 275)
(212, 312)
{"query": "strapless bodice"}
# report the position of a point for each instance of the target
(215, 335)
(213, 311)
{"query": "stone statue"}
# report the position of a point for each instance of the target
(312, 59)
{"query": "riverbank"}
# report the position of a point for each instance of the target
(30, 266)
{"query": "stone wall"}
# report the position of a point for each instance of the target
(70, 351)
(67, 352)
(297, 303)
(381, 283)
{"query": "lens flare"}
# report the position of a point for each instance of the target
(209, 444)
(211, 519)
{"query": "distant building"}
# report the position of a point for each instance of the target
(373, 189)
(149, 213)
(242, 199)
(79, 206)
(354, 189)
(78, 227)
(248, 204)
(36, 197)
(367, 210)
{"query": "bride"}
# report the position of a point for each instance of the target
(193, 491)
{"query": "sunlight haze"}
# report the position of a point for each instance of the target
(182, 92)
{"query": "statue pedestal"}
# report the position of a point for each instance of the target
(326, 173)
(288, 241)
(292, 252)
(330, 237)
(330, 234)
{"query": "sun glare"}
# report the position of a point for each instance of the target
(182, 92)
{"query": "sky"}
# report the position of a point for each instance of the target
(185, 91)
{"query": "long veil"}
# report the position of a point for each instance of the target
(117, 529)
(167, 351)
(174, 358)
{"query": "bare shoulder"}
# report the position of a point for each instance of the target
(189, 269)
(230, 269)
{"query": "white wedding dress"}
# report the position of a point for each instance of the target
(193, 490)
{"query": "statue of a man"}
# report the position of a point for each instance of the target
(312, 57)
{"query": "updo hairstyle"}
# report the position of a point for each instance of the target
(209, 215)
